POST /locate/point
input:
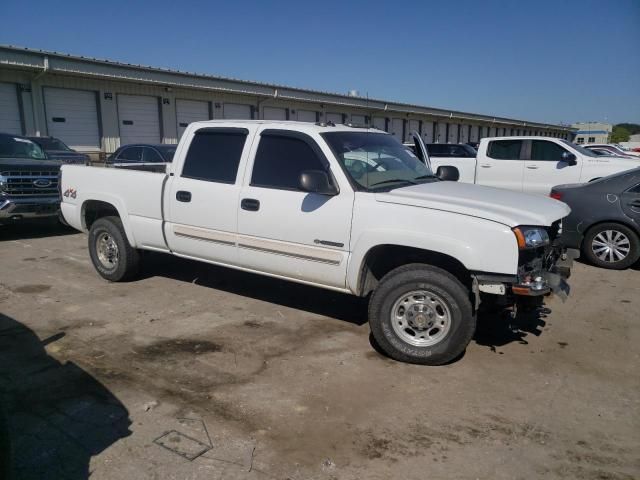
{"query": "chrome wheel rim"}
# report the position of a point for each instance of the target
(421, 318)
(611, 246)
(107, 250)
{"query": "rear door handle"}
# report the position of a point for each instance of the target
(485, 165)
(532, 167)
(183, 196)
(250, 204)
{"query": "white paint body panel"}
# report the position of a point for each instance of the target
(72, 116)
(287, 237)
(9, 109)
(139, 119)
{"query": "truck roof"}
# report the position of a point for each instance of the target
(291, 124)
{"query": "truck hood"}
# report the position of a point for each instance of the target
(495, 204)
(12, 164)
(68, 157)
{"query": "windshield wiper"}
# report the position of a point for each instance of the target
(422, 177)
(394, 180)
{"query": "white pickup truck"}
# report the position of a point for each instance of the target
(342, 208)
(532, 164)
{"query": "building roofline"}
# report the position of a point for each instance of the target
(22, 57)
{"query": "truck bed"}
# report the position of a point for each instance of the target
(137, 195)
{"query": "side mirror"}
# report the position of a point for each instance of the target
(448, 173)
(317, 181)
(569, 158)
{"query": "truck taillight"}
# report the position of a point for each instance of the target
(556, 195)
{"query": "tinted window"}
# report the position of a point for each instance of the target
(447, 150)
(635, 189)
(280, 160)
(131, 154)
(543, 150)
(167, 152)
(150, 155)
(504, 149)
(214, 155)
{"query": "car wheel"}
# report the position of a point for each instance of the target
(421, 314)
(112, 255)
(611, 245)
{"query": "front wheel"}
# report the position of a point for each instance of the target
(112, 255)
(421, 314)
(611, 245)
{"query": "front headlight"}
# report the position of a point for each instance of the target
(531, 237)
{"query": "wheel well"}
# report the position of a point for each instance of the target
(381, 259)
(92, 210)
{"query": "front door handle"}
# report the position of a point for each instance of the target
(250, 204)
(532, 167)
(485, 165)
(183, 196)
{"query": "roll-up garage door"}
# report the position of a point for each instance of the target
(358, 119)
(139, 119)
(464, 133)
(414, 126)
(9, 109)
(474, 134)
(307, 116)
(427, 132)
(334, 117)
(453, 133)
(274, 113)
(379, 123)
(189, 111)
(72, 116)
(441, 133)
(396, 127)
(237, 111)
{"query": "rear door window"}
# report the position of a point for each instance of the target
(214, 154)
(504, 149)
(152, 156)
(130, 154)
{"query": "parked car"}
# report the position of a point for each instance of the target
(614, 149)
(142, 156)
(454, 154)
(601, 152)
(533, 164)
(28, 180)
(605, 219)
(57, 150)
(341, 208)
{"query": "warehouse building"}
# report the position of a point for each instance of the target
(97, 105)
(592, 132)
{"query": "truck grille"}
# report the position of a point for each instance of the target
(30, 183)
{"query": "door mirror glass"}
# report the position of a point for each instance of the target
(448, 173)
(316, 181)
(569, 158)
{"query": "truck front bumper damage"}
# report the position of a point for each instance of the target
(537, 277)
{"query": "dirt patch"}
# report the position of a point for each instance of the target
(37, 288)
(177, 347)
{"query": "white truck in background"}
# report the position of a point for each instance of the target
(338, 207)
(532, 164)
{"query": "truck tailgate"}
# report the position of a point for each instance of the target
(136, 195)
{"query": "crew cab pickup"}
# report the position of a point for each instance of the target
(532, 164)
(342, 208)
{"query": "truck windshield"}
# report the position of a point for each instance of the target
(377, 160)
(582, 150)
(18, 147)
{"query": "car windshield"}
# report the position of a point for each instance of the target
(51, 143)
(582, 150)
(167, 152)
(18, 147)
(377, 161)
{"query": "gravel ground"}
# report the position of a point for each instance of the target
(195, 372)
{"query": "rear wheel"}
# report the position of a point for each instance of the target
(611, 245)
(421, 314)
(112, 255)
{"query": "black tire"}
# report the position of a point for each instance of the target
(602, 228)
(122, 262)
(452, 294)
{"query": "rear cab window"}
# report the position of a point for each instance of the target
(214, 154)
(505, 149)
